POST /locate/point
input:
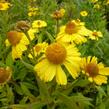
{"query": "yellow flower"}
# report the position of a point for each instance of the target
(32, 11)
(84, 13)
(58, 14)
(56, 55)
(32, 32)
(107, 1)
(5, 75)
(74, 31)
(39, 48)
(4, 6)
(39, 24)
(95, 71)
(94, 35)
(97, 6)
(19, 43)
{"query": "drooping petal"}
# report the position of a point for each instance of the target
(60, 76)
(99, 79)
(41, 67)
(50, 73)
(18, 50)
(71, 70)
(45, 70)
(24, 40)
(104, 71)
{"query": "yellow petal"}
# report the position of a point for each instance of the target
(60, 76)
(24, 40)
(7, 43)
(88, 59)
(104, 71)
(41, 67)
(83, 63)
(71, 70)
(45, 70)
(31, 33)
(94, 60)
(99, 80)
(90, 79)
(18, 50)
(50, 72)
(100, 65)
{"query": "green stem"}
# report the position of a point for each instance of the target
(44, 93)
(57, 27)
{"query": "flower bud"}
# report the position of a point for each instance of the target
(22, 25)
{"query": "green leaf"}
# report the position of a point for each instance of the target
(74, 102)
(10, 94)
(9, 60)
(43, 89)
(18, 89)
(27, 65)
(101, 91)
(50, 36)
(82, 83)
(67, 101)
(101, 106)
(30, 86)
(25, 90)
(82, 99)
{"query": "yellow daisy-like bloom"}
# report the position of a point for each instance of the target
(97, 6)
(95, 35)
(84, 13)
(32, 11)
(95, 71)
(4, 6)
(56, 55)
(5, 75)
(74, 31)
(39, 48)
(19, 43)
(39, 24)
(58, 14)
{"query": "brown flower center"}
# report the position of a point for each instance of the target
(37, 48)
(39, 23)
(14, 37)
(56, 53)
(92, 69)
(1, 6)
(71, 28)
(57, 15)
(95, 34)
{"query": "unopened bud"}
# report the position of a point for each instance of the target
(22, 26)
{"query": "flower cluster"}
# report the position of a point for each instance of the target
(60, 57)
